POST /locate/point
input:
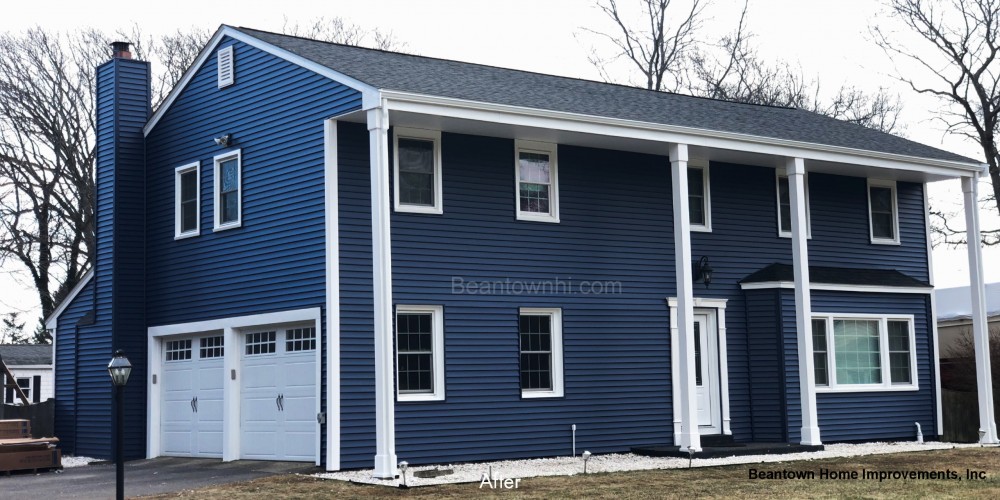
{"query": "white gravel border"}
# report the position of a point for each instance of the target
(620, 462)
(69, 461)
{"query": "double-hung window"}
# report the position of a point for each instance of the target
(785, 207)
(228, 190)
(419, 353)
(417, 171)
(536, 170)
(187, 213)
(699, 198)
(857, 353)
(883, 213)
(540, 339)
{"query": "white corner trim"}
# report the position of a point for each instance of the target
(51, 323)
(895, 240)
(370, 95)
(437, 353)
(833, 287)
(332, 339)
(939, 416)
(427, 135)
(718, 307)
(558, 384)
(217, 190)
(617, 127)
(546, 148)
(706, 181)
(178, 215)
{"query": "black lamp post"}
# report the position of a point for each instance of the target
(119, 368)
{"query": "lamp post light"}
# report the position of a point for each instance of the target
(119, 368)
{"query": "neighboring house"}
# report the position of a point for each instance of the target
(954, 321)
(31, 366)
(351, 257)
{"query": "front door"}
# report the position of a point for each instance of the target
(706, 367)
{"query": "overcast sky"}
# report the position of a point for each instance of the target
(828, 39)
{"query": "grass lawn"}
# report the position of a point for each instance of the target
(708, 482)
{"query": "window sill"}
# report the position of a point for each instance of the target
(783, 234)
(863, 388)
(878, 241)
(540, 394)
(533, 217)
(418, 398)
(183, 236)
(232, 225)
(701, 229)
(419, 209)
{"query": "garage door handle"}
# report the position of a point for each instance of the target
(281, 402)
(196, 404)
(192, 405)
(277, 401)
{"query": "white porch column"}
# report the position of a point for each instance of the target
(385, 425)
(796, 170)
(690, 440)
(980, 328)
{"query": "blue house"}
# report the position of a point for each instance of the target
(354, 257)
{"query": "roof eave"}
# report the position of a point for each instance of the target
(50, 321)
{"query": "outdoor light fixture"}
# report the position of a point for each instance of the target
(402, 468)
(703, 272)
(224, 140)
(119, 368)
(586, 457)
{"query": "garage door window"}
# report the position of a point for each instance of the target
(300, 339)
(261, 343)
(211, 347)
(178, 350)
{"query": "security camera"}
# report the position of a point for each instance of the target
(224, 140)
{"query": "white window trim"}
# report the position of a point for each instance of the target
(217, 190)
(895, 212)
(707, 226)
(427, 135)
(543, 148)
(220, 55)
(777, 203)
(437, 354)
(557, 390)
(886, 385)
(178, 172)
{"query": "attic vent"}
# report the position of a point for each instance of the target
(226, 67)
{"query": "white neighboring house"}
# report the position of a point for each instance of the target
(31, 366)
(954, 313)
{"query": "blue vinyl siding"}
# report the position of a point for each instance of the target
(67, 338)
(768, 415)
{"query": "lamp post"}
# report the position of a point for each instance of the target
(119, 368)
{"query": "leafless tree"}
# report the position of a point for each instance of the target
(658, 50)
(956, 62)
(340, 30)
(12, 330)
(961, 358)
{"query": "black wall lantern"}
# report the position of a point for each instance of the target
(703, 272)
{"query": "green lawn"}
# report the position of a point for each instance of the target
(707, 482)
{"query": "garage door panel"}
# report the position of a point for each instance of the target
(192, 401)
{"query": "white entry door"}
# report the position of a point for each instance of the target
(191, 405)
(278, 401)
(706, 365)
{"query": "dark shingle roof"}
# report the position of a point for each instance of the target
(475, 82)
(23, 355)
(837, 276)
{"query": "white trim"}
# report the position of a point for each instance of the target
(231, 390)
(706, 196)
(552, 151)
(686, 397)
(895, 213)
(223, 57)
(52, 322)
(884, 366)
(778, 175)
(332, 340)
(939, 414)
(834, 287)
(810, 431)
(558, 386)
(718, 305)
(437, 353)
(381, 206)
(178, 217)
(617, 127)
(426, 135)
(369, 94)
(217, 190)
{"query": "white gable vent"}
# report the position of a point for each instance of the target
(226, 67)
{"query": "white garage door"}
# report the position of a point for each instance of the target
(191, 421)
(278, 404)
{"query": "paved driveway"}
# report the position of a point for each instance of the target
(142, 477)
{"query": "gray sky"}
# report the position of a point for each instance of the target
(828, 39)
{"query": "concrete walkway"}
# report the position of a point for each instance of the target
(142, 477)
